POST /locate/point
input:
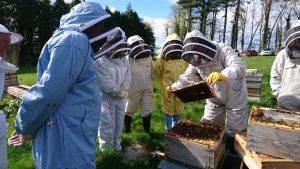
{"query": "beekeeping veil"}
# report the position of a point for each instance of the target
(14, 38)
(115, 46)
(94, 21)
(293, 42)
(138, 47)
(172, 48)
(197, 49)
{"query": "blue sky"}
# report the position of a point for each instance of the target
(150, 8)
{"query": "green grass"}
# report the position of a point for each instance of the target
(27, 75)
(21, 157)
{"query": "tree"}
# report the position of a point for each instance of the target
(132, 24)
(74, 2)
(46, 26)
(225, 4)
(235, 31)
(59, 9)
(267, 4)
(243, 20)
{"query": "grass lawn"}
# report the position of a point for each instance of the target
(21, 157)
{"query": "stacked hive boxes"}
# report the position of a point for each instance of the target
(254, 84)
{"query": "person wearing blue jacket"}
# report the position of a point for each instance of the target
(61, 111)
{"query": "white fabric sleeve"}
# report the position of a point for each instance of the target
(276, 73)
(235, 67)
(190, 76)
(106, 83)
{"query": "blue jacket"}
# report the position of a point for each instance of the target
(62, 108)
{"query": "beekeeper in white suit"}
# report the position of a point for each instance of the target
(285, 72)
(6, 38)
(114, 76)
(141, 88)
(220, 65)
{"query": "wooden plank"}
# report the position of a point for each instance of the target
(253, 98)
(260, 161)
(253, 90)
(253, 85)
(25, 87)
(254, 79)
(219, 150)
(254, 94)
(188, 152)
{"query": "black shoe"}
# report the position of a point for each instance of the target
(127, 123)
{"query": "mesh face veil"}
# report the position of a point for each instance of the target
(115, 46)
(172, 50)
(292, 42)
(197, 49)
(98, 32)
(293, 49)
(138, 48)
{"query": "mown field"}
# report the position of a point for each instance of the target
(20, 158)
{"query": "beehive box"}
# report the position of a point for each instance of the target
(194, 92)
(274, 132)
(196, 144)
(255, 160)
(254, 84)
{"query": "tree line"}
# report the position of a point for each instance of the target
(265, 21)
(36, 20)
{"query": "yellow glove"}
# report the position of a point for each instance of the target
(216, 76)
(170, 89)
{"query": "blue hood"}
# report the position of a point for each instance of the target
(82, 13)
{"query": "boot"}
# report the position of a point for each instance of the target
(146, 123)
(229, 144)
(127, 122)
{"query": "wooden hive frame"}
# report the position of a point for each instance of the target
(260, 161)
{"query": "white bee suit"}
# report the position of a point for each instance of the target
(141, 88)
(231, 94)
(114, 77)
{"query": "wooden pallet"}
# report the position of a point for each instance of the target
(260, 161)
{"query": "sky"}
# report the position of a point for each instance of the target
(157, 12)
(154, 12)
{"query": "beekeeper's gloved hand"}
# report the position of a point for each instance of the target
(170, 89)
(216, 76)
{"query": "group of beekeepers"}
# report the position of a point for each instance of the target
(91, 78)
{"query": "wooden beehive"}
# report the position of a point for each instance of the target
(195, 144)
(255, 160)
(274, 132)
(254, 84)
(194, 92)
(12, 86)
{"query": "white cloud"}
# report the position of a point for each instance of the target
(172, 1)
(158, 26)
(112, 9)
